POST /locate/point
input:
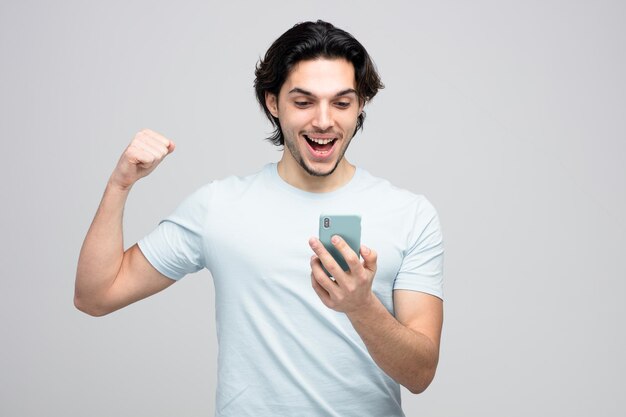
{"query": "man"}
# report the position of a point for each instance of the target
(292, 341)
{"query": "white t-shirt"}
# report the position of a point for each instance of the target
(282, 352)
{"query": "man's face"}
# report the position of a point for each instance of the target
(317, 104)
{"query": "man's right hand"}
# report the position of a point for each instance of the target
(141, 157)
(107, 277)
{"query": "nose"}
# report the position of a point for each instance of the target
(323, 117)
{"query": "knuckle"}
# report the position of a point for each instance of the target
(141, 139)
(132, 151)
(351, 258)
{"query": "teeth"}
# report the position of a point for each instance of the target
(320, 141)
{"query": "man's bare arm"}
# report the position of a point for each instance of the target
(406, 347)
(107, 278)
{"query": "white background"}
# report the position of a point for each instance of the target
(509, 116)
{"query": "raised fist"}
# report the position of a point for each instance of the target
(141, 157)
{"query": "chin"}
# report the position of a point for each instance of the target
(323, 172)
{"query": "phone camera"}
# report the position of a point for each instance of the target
(326, 222)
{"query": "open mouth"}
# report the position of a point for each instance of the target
(320, 146)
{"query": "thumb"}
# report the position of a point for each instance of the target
(370, 257)
(171, 146)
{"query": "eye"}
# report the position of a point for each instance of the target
(302, 103)
(343, 104)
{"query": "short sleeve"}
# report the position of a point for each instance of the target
(422, 265)
(176, 246)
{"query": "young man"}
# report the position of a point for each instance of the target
(292, 341)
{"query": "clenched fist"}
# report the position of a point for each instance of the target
(141, 157)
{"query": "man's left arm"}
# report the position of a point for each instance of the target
(406, 347)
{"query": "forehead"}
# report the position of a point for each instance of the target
(321, 76)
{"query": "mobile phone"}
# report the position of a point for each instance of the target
(348, 226)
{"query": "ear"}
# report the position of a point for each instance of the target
(361, 105)
(271, 101)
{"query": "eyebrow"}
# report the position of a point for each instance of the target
(310, 94)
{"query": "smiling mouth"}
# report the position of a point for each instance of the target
(320, 144)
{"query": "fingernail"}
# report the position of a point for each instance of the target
(366, 250)
(335, 239)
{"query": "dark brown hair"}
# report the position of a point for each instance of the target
(306, 41)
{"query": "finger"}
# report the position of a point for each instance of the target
(140, 156)
(155, 147)
(370, 257)
(329, 285)
(140, 153)
(351, 258)
(320, 291)
(157, 137)
(326, 259)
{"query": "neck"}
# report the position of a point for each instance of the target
(293, 174)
